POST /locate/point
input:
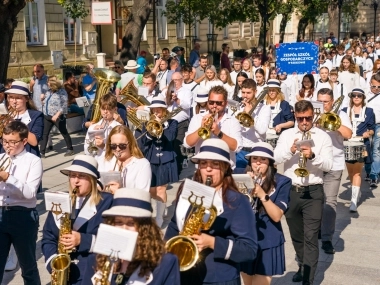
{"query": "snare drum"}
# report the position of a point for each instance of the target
(354, 150)
(272, 139)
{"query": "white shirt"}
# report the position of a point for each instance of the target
(136, 174)
(25, 175)
(107, 130)
(206, 84)
(292, 88)
(375, 105)
(186, 98)
(320, 85)
(127, 77)
(327, 63)
(336, 60)
(193, 87)
(323, 160)
(256, 133)
(340, 89)
(337, 141)
(260, 88)
(228, 125)
(230, 90)
(368, 65)
(233, 75)
(161, 78)
(350, 80)
(359, 60)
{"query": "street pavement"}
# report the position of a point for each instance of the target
(356, 239)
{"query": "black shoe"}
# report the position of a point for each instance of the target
(43, 155)
(328, 247)
(373, 183)
(367, 178)
(70, 152)
(298, 276)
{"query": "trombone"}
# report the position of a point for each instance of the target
(5, 162)
(330, 121)
(245, 119)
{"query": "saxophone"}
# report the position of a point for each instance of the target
(184, 247)
(60, 264)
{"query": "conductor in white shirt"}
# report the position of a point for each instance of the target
(305, 209)
(224, 126)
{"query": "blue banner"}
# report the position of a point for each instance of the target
(297, 58)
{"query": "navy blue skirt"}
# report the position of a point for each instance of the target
(269, 262)
(163, 174)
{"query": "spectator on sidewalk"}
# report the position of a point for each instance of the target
(141, 60)
(38, 85)
(89, 83)
(224, 60)
(194, 55)
(72, 88)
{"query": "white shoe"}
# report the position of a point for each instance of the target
(354, 198)
(161, 208)
(12, 260)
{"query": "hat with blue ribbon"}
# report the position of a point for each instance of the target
(83, 164)
(18, 87)
(213, 149)
(261, 149)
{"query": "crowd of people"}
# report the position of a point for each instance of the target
(245, 118)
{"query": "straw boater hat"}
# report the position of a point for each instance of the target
(18, 87)
(356, 90)
(132, 64)
(202, 95)
(214, 149)
(158, 101)
(130, 202)
(84, 164)
(261, 149)
(273, 83)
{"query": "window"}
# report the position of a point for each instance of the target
(161, 20)
(68, 24)
(143, 36)
(181, 30)
(225, 32)
(196, 29)
(210, 28)
(34, 13)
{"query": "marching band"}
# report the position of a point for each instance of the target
(252, 124)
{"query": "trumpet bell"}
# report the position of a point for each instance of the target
(245, 119)
(204, 133)
(301, 172)
(185, 249)
(330, 121)
(154, 128)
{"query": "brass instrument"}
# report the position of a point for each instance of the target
(331, 121)
(60, 264)
(301, 171)
(244, 190)
(106, 78)
(6, 118)
(258, 179)
(106, 270)
(5, 162)
(117, 155)
(205, 132)
(244, 118)
(130, 94)
(184, 247)
(92, 148)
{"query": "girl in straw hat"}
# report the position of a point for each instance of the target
(90, 204)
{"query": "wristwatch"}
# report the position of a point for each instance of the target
(220, 135)
(266, 198)
(312, 156)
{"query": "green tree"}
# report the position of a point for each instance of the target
(309, 11)
(286, 9)
(349, 8)
(75, 9)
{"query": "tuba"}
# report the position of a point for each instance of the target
(60, 264)
(205, 132)
(106, 78)
(330, 121)
(130, 93)
(301, 171)
(245, 119)
(184, 247)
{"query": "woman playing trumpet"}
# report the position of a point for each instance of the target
(122, 154)
(89, 206)
(271, 202)
(232, 237)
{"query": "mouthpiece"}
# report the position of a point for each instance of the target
(208, 181)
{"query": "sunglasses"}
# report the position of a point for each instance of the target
(301, 119)
(218, 103)
(122, 146)
(375, 87)
(357, 96)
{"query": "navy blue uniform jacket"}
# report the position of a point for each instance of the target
(35, 126)
(270, 233)
(368, 124)
(159, 151)
(284, 116)
(234, 230)
(88, 229)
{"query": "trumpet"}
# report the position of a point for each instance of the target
(184, 247)
(256, 180)
(205, 131)
(301, 171)
(92, 148)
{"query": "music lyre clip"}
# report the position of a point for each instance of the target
(114, 256)
(56, 208)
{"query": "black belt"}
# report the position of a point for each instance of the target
(302, 189)
(249, 149)
(16, 208)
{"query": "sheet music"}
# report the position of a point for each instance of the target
(93, 133)
(199, 190)
(244, 179)
(82, 102)
(143, 91)
(58, 201)
(317, 105)
(3, 109)
(143, 114)
(110, 176)
(115, 242)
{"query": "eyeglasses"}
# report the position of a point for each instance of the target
(121, 146)
(10, 143)
(78, 175)
(218, 103)
(375, 87)
(357, 96)
(37, 71)
(301, 119)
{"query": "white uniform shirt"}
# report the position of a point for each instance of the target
(339, 90)
(228, 125)
(323, 160)
(337, 141)
(320, 85)
(336, 60)
(328, 64)
(207, 85)
(25, 175)
(260, 88)
(136, 174)
(230, 90)
(374, 104)
(193, 87)
(233, 75)
(161, 78)
(107, 130)
(186, 98)
(256, 133)
(350, 80)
